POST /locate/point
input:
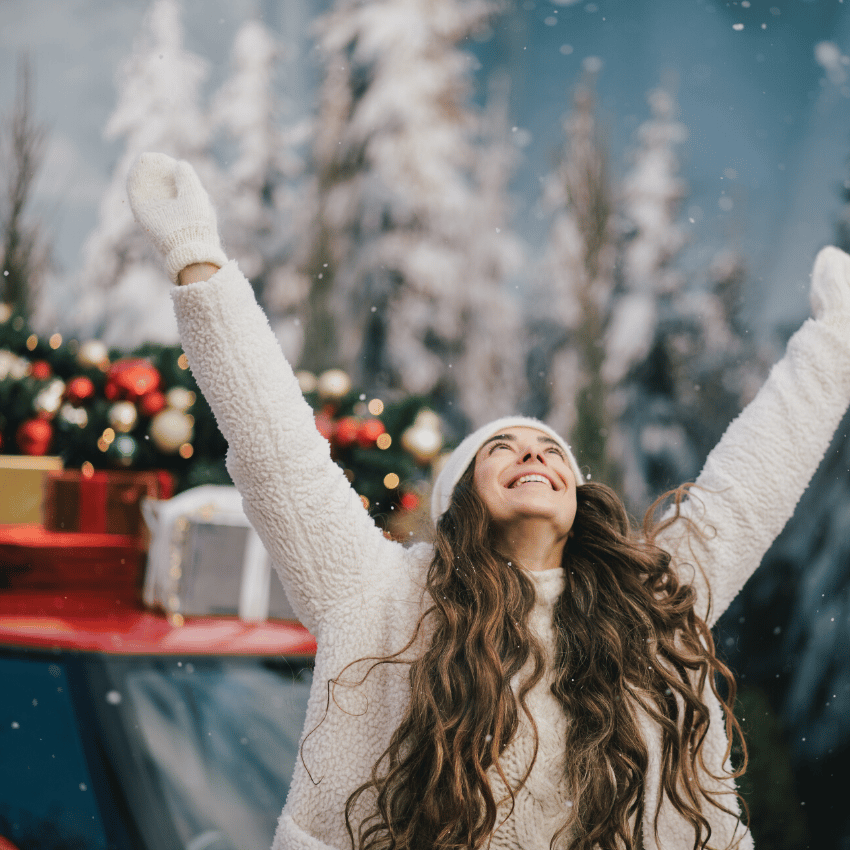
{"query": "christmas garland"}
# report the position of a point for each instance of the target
(105, 409)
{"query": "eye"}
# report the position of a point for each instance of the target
(498, 446)
(557, 451)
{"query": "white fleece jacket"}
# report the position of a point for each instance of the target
(360, 594)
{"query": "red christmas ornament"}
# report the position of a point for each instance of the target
(346, 431)
(41, 370)
(369, 431)
(130, 378)
(79, 389)
(409, 501)
(325, 426)
(34, 436)
(151, 403)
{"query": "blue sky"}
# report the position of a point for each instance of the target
(769, 127)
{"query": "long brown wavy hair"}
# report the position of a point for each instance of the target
(627, 634)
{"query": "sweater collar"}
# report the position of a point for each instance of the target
(549, 585)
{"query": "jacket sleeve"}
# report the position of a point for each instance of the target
(754, 477)
(324, 544)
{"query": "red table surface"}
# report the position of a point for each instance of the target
(68, 590)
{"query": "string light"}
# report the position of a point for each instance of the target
(376, 407)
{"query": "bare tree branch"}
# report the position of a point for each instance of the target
(26, 255)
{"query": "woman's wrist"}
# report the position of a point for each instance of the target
(196, 272)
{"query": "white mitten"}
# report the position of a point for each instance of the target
(170, 203)
(830, 292)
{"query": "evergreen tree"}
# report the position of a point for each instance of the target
(256, 221)
(793, 639)
(651, 239)
(394, 199)
(641, 369)
(577, 280)
(489, 374)
(123, 293)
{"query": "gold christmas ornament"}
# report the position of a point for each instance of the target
(12, 366)
(94, 354)
(179, 398)
(74, 415)
(307, 381)
(49, 399)
(423, 439)
(123, 416)
(334, 384)
(6, 360)
(20, 368)
(170, 429)
(46, 403)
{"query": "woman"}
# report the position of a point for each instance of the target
(539, 676)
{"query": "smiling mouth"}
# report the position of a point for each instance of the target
(531, 479)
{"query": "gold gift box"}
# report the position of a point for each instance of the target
(22, 487)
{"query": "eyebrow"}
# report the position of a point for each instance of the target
(541, 439)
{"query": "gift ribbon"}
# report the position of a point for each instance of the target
(92, 503)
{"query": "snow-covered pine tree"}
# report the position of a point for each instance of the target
(395, 201)
(258, 180)
(489, 375)
(576, 280)
(123, 294)
(794, 641)
(649, 200)
(701, 369)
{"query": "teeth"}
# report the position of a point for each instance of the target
(527, 478)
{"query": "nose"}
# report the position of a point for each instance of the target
(533, 453)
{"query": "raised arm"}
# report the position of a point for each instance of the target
(321, 538)
(754, 477)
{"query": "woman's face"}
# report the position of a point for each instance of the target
(522, 474)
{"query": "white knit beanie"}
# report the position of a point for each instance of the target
(462, 456)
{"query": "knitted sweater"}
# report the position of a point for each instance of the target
(540, 804)
(361, 594)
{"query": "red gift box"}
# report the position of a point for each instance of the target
(102, 502)
(35, 559)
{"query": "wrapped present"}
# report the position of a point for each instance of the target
(22, 487)
(33, 558)
(206, 559)
(102, 502)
